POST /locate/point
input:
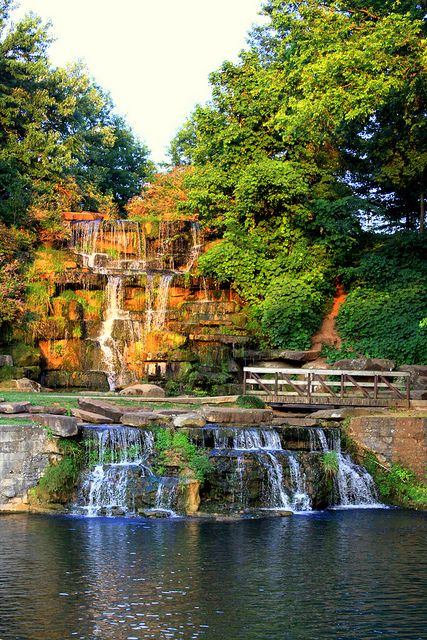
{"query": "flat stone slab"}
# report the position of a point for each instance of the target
(63, 426)
(189, 420)
(14, 407)
(54, 409)
(228, 415)
(92, 418)
(345, 412)
(145, 419)
(106, 409)
(294, 422)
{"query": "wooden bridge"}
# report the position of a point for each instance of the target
(328, 386)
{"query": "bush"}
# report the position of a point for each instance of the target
(250, 402)
(175, 446)
(386, 324)
(292, 313)
(396, 485)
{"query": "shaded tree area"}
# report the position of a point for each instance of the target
(62, 147)
(310, 155)
(61, 144)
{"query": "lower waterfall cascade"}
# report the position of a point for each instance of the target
(251, 471)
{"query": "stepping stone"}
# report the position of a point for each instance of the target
(14, 407)
(106, 409)
(92, 418)
(63, 426)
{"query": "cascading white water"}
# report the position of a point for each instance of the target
(114, 456)
(113, 356)
(353, 485)
(265, 445)
(166, 494)
(300, 498)
(162, 301)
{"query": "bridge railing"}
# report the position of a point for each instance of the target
(313, 385)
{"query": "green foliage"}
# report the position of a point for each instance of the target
(397, 485)
(61, 477)
(330, 463)
(174, 446)
(292, 312)
(250, 402)
(386, 324)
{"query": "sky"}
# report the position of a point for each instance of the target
(153, 56)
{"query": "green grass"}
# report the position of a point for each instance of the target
(8, 421)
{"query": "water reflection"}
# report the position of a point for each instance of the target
(353, 574)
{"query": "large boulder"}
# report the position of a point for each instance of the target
(106, 409)
(189, 420)
(62, 426)
(27, 385)
(418, 373)
(6, 361)
(145, 390)
(300, 356)
(145, 419)
(234, 415)
(14, 407)
(364, 364)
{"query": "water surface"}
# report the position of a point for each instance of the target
(356, 574)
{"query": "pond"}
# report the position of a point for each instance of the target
(336, 574)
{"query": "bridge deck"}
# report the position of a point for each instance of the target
(329, 386)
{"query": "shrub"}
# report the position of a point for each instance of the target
(396, 485)
(175, 446)
(250, 402)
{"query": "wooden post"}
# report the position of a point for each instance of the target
(244, 383)
(408, 390)
(276, 386)
(376, 387)
(309, 387)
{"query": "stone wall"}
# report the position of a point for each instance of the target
(25, 452)
(393, 439)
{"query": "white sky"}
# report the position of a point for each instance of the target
(153, 56)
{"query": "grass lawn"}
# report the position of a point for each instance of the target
(70, 400)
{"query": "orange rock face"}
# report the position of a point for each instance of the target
(70, 216)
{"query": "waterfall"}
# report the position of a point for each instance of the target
(166, 494)
(300, 498)
(353, 485)
(116, 459)
(113, 356)
(196, 247)
(265, 447)
(117, 242)
(276, 496)
(162, 300)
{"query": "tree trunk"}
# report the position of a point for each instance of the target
(422, 214)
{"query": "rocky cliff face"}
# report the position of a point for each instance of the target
(125, 303)
(25, 452)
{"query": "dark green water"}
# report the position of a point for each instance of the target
(356, 574)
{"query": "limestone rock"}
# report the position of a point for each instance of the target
(54, 408)
(189, 420)
(154, 513)
(300, 356)
(145, 419)
(420, 394)
(63, 426)
(106, 409)
(226, 415)
(92, 418)
(24, 384)
(145, 390)
(14, 407)
(6, 361)
(364, 364)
